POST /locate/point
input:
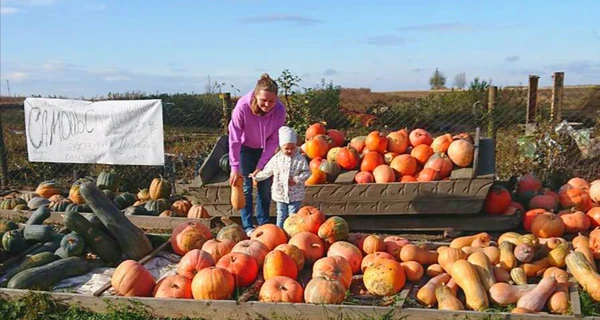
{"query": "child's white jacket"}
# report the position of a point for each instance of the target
(282, 167)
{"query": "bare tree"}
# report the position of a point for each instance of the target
(460, 80)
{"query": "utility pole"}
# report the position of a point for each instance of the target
(8, 87)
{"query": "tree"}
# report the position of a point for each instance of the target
(437, 80)
(479, 85)
(460, 80)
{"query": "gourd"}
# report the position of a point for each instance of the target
(44, 277)
(557, 256)
(30, 261)
(159, 188)
(507, 257)
(446, 300)
(484, 269)
(108, 180)
(581, 243)
(448, 256)
(536, 298)
(466, 241)
(504, 294)
(586, 276)
(518, 276)
(465, 275)
(536, 268)
(493, 253)
(38, 232)
(558, 303)
(426, 294)
(411, 252)
(39, 216)
(134, 243)
(71, 245)
(500, 274)
(13, 241)
(238, 199)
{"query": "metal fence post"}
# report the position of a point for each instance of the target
(3, 157)
(492, 94)
(558, 86)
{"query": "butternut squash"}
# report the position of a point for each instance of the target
(453, 286)
(504, 294)
(441, 248)
(447, 257)
(560, 275)
(535, 300)
(493, 253)
(426, 294)
(411, 252)
(558, 303)
(521, 310)
(500, 274)
(518, 276)
(480, 243)
(586, 276)
(484, 269)
(466, 241)
(557, 256)
(446, 300)
(536, 268)
(507, 257)
(581, 243)
(434, 270)
(238, 199)
(465, 275)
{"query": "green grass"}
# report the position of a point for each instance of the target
(589, 307)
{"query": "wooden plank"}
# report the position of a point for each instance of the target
(215, 309)
(532, 99)
(558, 89)
(435, 314)
(574, 294)
(346, 177)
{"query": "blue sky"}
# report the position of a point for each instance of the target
(88, 48)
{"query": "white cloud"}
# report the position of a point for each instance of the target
(5, 11)
(117, 78)
(17, 76)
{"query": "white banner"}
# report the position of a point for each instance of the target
(127, 132)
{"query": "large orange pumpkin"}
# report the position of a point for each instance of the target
(358, 143)
(384, 278)
(348, 251)
(376, 141)
(194, 261)
(335, 267)
(575, 221)
(334, 229)
(594, 215)
(281, 289)
(188, 236)
(427, 175)
(48, 188)
(218, 248)
(530, 216)
(253, 248)
(547, 226)
(308, 218)
(316, 177)
(173, 287)
(397, 142)
(294, 252)
(420, 136)
(316, 147)
(337, 137)
(440, 163)
(314, 130)
(310, 244)
(373, 243)
(461, 152)
(364, 177)
(372, 258)
(324, 290)
(574, 197)
(315, 164)
(393, 245)
(347, 158)
(278, 263)
(441, 143)
(242, 266)
(404, 165)
(181, 208)
(579, 183)
(497, 200)
(198, 212)
(270, 235)
(370, 161)
(421, 153)
(213, 283)
(384, 174)
(132, 279)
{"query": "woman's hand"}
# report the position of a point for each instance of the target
(233, 177)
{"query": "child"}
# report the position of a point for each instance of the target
(290, 170)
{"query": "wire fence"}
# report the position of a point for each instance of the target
(553, 132)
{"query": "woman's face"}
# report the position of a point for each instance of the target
(266, 100)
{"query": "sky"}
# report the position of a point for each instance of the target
(87, 48)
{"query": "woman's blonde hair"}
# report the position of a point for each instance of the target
(264, 83)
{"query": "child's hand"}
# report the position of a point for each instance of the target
(291, 182)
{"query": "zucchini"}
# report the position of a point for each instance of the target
(49, 246)
(131, 239)
(91, 217)
(38, 232)
(96, 240)
(39, 216)
(30, 261)
(44, 277)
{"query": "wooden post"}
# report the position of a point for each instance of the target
(532, 99)
(492, 94)
(558, 86)
(3, 158)
(226, 100)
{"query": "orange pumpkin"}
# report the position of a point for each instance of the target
(547, 226)
(159, 188)
(404, 165)
(358, 143)
(218, 248)
(528, 184)
(427, 175)
(315, 164)
(194, 261)
(253, 248)
(421, 153)
(334, 229)
(440, 163)
(348, 251)
(314, 130)
(370, 161)
(364, 177)
(324, 290)
(310, 244)
(373, 243)
(575, 221)
(173, 287)
(281, 289)
(530, 216)
(316, 177)
(579, 183)
(308, 218)
(376, 141)
(384, 174)
(461, 152)
(337, 137)
(213, 283)
(316, 147)
(242, 266)
(132, 279)
(543, 201)
(373, 258)
(574, 197)
(335, 267)
(347, 158)
(594, 216)
(388, 157)
(420, 137)
(48, 188)
(294, 252)
(198, 212)
(278, 263)
(188, 236)
(595, 191)
(397, 142)
(497, 200)
(270, 235)
(441, 143)
(408, 179)
(181, 208)
(384, 278)
(393, 245)
(357, 239)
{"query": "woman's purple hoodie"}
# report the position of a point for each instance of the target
(246, 128)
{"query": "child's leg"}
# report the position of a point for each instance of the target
(282, 213)
(294, 207)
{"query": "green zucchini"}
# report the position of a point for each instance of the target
(30, 261)
(46, 276)
(49, 246)
(131, 239)
(96, 240)
(38, 232)
(39, 216)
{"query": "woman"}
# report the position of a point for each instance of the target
(253, 139)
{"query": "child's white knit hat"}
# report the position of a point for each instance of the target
(286, 135)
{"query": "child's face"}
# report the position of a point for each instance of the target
(288, 149)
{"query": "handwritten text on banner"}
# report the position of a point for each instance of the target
(127, 132)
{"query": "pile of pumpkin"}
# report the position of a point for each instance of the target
(573, 208)
(398, 156)
(153, 201)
